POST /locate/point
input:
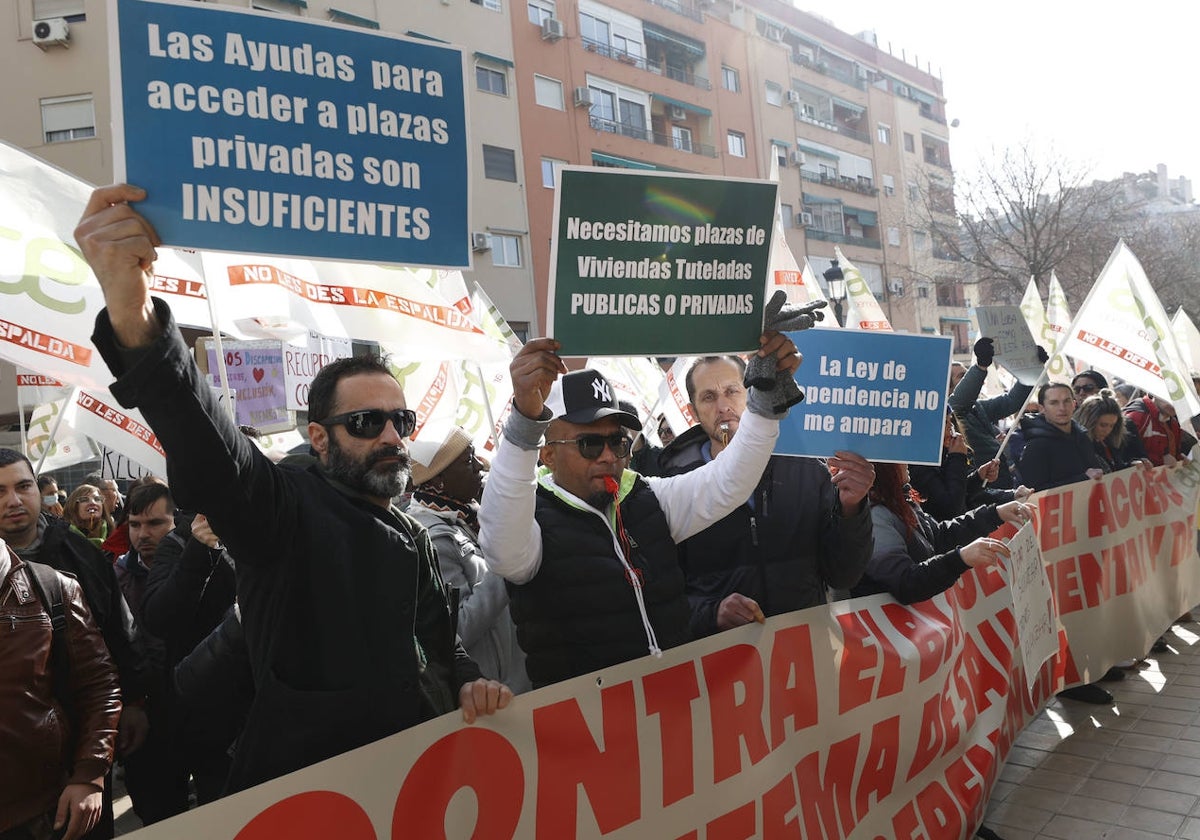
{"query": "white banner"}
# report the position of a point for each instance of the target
(1058, 321)
(1122, 328)
(1187, 337)
(98, 415)
(863, 310)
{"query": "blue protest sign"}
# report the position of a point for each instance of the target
(267, 134)
(882, 395)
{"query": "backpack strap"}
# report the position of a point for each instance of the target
(49, 588)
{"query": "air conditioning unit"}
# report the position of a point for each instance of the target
(797, 158)
(481, 242)
(583, 96)
(793, 97)
(676, 113)
(552, 29)
(774, 33)
(804, 218)
(51, 32)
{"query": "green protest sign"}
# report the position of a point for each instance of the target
(650, 264)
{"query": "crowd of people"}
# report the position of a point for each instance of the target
(241, 618)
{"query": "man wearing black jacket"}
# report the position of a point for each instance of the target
(800, 532)
(347, 622)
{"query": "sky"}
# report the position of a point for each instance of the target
(1111, 88)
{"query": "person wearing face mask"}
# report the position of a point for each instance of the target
(51, 504)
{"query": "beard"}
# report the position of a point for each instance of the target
(363, 476)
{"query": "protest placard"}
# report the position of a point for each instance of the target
(1015, 347)
(880, 394)
(301, 364)
(1033, 602)
(268, 134)
(256, 376)
(653, 264)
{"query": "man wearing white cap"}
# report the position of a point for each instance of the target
(588, 546)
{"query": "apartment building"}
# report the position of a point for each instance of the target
(718, 87)
(55, 99)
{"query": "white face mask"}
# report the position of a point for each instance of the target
(49, 501)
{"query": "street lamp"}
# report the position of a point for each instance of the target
(836, 280)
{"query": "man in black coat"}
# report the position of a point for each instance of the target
(347, 621)
(801, 532)
(1057, 449)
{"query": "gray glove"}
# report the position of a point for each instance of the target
(772, 391)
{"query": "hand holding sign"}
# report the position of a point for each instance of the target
(533, 372)
(119, 245)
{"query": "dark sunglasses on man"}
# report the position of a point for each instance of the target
(1086, 389)
(369, 422)
(591, 446)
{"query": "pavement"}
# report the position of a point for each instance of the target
(1130, 771)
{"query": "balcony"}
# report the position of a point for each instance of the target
(927, 113)
(841, 238)
(862, 186)
(657, 67)
(836, 128)
(687, 10)
(658, 138)
(825, 69)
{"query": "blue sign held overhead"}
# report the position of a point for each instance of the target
(264, 134)
(882, 395)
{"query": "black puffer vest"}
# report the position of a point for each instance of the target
(579, 613)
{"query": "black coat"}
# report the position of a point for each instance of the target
(784, 551)
(1052, 457)
(342, 602)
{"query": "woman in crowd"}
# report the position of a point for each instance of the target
(84, 511)
(917, 556)
(956, 484)
(1101, 415)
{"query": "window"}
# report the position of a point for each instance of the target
(520, 330)
(780, 153)
(889, 185)
(633, 119)
(548, 92)
(737, 144)
(893, 234)
(68, 118)
(506, 250)
(884, 134)
(922, 291)
(787, 216)
(72, 10)
(920, 241)
(910, 144)
(730, 80)
(774, 94)
(914, 192)
(499, 164)
(280, 7)
(681, 138)
(593, 30)
(491, 80)
(550, 167)
(490, 5)
(540, 11)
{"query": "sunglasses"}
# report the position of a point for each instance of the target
(592, 446)
(1086, 389)
(370, 422)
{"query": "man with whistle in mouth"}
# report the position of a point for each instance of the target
(589, 547)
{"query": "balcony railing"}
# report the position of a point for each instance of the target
(836, 128)
(658, 138)
(659, 68)
(825, 69)
(688, 10)
(862, 186)
(841, 238)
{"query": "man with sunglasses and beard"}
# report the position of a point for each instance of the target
(345, 615)
(588, 546)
